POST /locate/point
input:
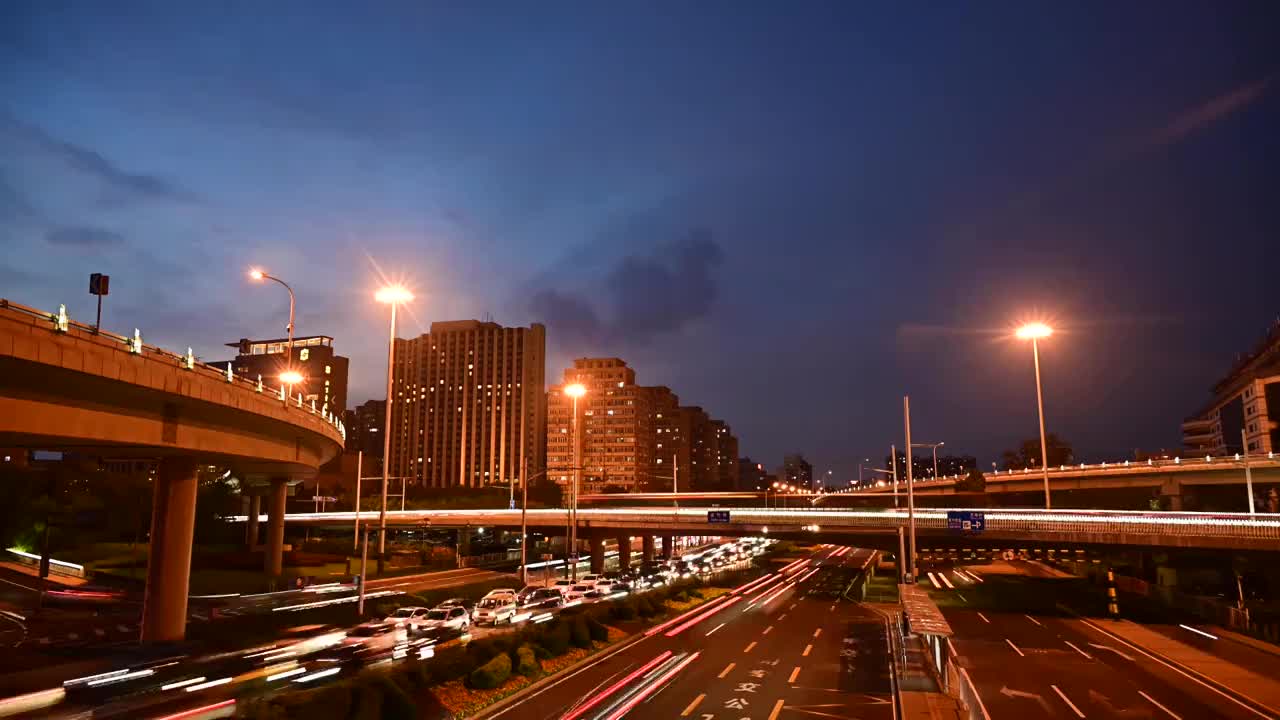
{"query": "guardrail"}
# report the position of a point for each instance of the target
(959, 686)
(56, 567)
(61, 323)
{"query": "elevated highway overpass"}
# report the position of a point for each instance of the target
(870, 528)
(67, 386)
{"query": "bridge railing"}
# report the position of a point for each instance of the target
(61, 323)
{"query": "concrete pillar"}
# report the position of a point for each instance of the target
(251, 527)
(597, 554)
(624, 553)
(173, 523)
(668, 546)
(464, 542)
(1171, 495)
(273, 545)
(647, 552)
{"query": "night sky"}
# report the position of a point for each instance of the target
(790, 213)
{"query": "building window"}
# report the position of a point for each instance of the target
(328, 370)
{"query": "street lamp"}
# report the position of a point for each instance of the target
(1035, 332)
(575, 391)
(257, 274)
(392, 295)
(935, 447)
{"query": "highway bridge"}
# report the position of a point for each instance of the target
(865, 528)
(66, 386)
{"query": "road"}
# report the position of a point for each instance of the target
(776, 651)
(1029, 658)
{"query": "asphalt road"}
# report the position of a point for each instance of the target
(776, 652)
(1044, 663)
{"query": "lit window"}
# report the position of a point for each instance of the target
(328, 370)
(304, 354)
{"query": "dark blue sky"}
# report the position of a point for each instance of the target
(791, 213)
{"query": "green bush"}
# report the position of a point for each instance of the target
(694, 592)
(491, 674)
(367, 704)
(527, 662)
(396, 705)
(623, 609)
(451, 663)
(646, 607)
(556, 638)
(541, 652)
(599, 632)
(579, 633)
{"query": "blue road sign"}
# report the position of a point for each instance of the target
(966, 521)
(717, 516)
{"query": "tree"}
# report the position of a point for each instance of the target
(1027, 454)
(975, 481)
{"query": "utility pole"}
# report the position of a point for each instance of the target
(364, 564)
(893, 455)
(675, 481)
(355, 540)
(1248, 473)
(911, 499)
(524, 527)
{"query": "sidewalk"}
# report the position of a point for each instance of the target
(1262, 690)
(918, 690)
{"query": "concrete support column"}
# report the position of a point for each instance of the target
(668, 546)
(624, 553)
(647, 552)
(1171, 495)
(597, 554)
(251, 527)
(173, 523)
(464, 542)
(273, 550)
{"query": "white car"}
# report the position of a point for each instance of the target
(501, 608)
(590, 580)
(375, 635)
(608, 587)
(450, 618)
(499, 592)
(410, 617)
(582, 594)
(563, 586)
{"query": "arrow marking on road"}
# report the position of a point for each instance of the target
(1010, 692)
(1111, 649)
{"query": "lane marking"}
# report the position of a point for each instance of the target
(1067, 700)
(766, 630)
(1015, 647)
(1086, 655)
(945, 581)
(1032, 619)
(793, 607)
(777, 708)
(748, 648)
(726, 670)
(984, 618)
(692, 705)
(794, 673)
(963, 598)
(1152, 700)
(1198, 632)
(817, 632)
(807, 650)
(783, 616)
(714, 629)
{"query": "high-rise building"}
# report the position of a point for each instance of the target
(616, 425)
(468, 404)
(324, 373)
(752, 476)
(364, 427)
(922, 464)
(1246, 401)
(797, 471)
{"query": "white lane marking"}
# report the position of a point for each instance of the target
(767, 630)
(1086, 655)
(783, 616)
(793, 607)
(1198, 632)
(777, 708)
(794, 673)
(1015, 647)
(726, 670)
(984, 618)
(817, 632)
(748, 648)
(807, 650)
(1032, 620)
(963, 598)
(1067, 700)
(1152, 700)
(934, 580)
(692, 705)
(945, 581)
(714, 629)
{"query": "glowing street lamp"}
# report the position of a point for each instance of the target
(1035, 332)
(392, 295)
(258, 275)
(575, 391)
(291, 378)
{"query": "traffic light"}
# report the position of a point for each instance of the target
(99, 284)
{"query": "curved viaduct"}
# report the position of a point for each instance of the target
(66, 386)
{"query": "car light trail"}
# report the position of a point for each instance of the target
(211, 683)
(703, 616)
(679, 618)
(20, 704)
(336, 601)
(318, 675)
(121, 678)
(758, 582)
(652, 688)
(762, 589)
(183, 683)
(807, 575)
(218, 709)
(599, 697)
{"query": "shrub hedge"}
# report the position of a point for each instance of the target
(491, 674)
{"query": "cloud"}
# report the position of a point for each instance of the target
(1208, 113)
(659, 292)
(83, 237)
(91, 162)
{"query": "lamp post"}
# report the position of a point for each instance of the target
(575, 391)
(911, 500)
(1035, 332)
(257, 274)
(392, 295)
(935, 447)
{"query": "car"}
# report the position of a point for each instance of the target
(608, 587)
(526, 592)
(496, 609)
(499, 592)
(465, 604)
(544, 599)
(591, 579)
(582, 594)
(410, 617)
(563, 585)
(375, 636)
(446, 617)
